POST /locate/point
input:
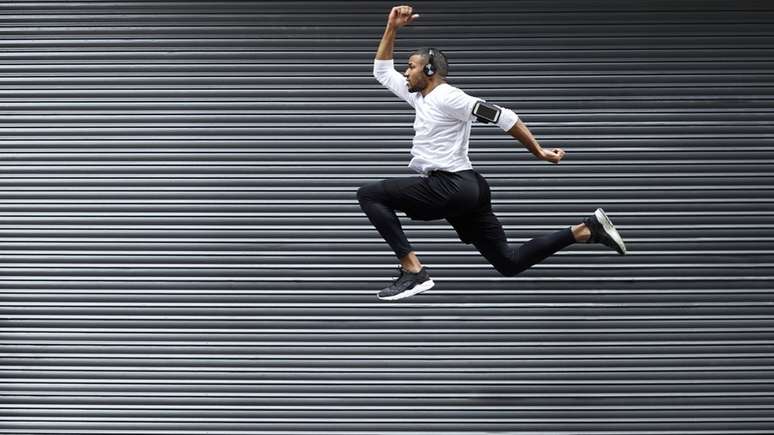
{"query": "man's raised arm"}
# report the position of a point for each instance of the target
(384, 67)
(399, 17)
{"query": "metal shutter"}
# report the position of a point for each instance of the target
(182, 251)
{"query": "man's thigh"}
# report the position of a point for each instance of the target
(416, 197)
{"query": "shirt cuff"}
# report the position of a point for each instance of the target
(383, 65)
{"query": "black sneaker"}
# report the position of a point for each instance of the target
(603, 231)
(407, 284)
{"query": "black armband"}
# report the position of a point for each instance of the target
(486, 112)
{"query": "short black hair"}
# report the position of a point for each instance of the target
(440, 62)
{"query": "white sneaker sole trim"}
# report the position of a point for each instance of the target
(425, 286)
(610, 229)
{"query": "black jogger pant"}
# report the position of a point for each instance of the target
(463, 199)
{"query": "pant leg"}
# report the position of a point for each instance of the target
(419, 197)
(374, 201)
(511, 260)
(482, 228)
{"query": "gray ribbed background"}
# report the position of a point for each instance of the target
(182, 251)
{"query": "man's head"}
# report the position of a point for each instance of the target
(425, 66)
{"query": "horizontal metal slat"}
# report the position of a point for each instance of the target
(182, 250)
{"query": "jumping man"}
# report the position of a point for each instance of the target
(448, 187)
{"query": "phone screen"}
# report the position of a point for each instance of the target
(485, 112)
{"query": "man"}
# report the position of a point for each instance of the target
(449, 188)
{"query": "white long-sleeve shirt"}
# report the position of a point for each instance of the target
(442, 123)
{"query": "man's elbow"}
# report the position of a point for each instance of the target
(381, 77)
(379, 74)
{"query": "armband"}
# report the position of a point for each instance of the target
(486, 112)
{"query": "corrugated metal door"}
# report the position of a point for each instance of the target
(182, 251)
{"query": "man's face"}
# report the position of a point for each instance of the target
(416, 80)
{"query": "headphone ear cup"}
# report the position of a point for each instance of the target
(428, 68)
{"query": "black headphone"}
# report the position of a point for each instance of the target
(429, 67)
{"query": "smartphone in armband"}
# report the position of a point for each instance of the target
(486, 112)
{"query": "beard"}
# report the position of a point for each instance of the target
(418, 86)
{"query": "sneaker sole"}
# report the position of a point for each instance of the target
(425, 286)
(610, 229)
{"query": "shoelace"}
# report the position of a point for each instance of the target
(400, 275)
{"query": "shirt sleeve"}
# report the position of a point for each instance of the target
(507, 119)
(460, 106)
(384, 71)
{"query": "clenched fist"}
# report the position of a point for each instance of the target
(554, 156)
(401, 16)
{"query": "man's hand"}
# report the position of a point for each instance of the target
(554, 155)
(401, 16)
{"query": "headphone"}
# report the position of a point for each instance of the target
(429, 68)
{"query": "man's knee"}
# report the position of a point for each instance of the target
(507, 265)
(500, 255)
(509, 269)
(364, 193)
(373, 192)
